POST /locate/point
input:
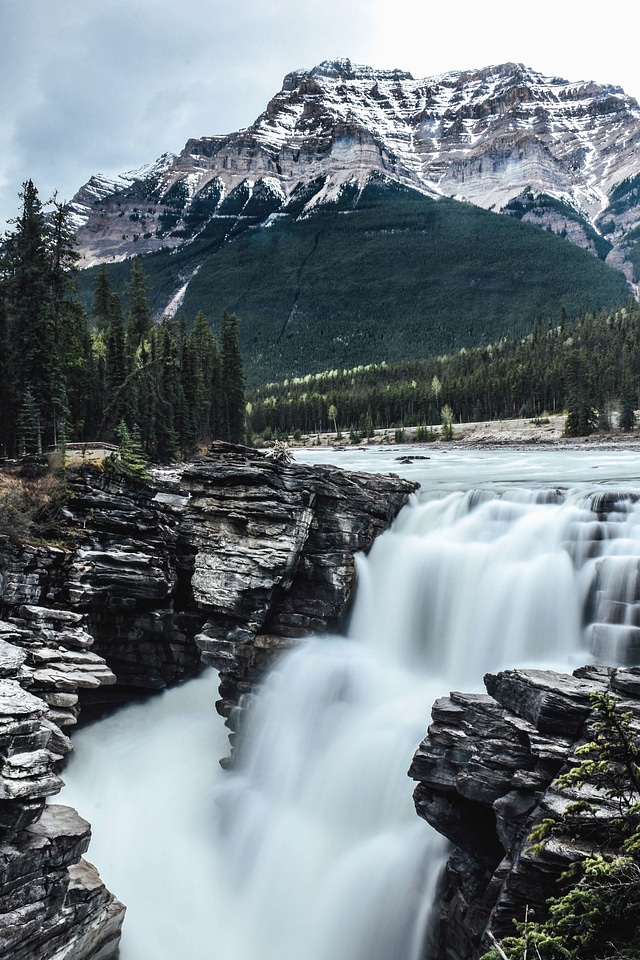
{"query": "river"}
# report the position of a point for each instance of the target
(311, 849)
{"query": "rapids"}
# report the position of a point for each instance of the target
(311, 849)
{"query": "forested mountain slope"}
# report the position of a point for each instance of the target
(381, 274)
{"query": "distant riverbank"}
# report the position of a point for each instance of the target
(546, 431)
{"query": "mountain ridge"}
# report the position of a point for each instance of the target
(506, 138)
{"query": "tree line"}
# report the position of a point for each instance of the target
(69, 376)
(589, 367)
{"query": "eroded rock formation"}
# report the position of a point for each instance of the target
(487, 774)
(273, 555)
(52, 902)
(245, 554)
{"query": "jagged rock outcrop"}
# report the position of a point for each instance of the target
(118, 590)
(240, 545)
(52, 902)
(128, 577)
(486, 776)
(273, 556)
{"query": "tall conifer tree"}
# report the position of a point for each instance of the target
(26, 269)
(139, 321)
(101, 305)
(231, 381)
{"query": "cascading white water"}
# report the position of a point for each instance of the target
(311, 848)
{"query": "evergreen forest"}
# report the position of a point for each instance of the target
(590, 367)
(78, 369)
(110, 374)
(379, 274)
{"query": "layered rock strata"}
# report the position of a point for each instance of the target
(127, 576)
(248, 555)
(560, 154)
(242, 551)
(52, 902)
(487, 775)
(273, 555)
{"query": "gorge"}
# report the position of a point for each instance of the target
(310, 844)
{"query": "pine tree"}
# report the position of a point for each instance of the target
(168, 394)
(582, 414)
(101, 305)
(71, 343)
(139, 320)
(29, 427)
(6, 386)
(26, 275)
(130, 460)
(117, 402)
(595, 914)
(44, 325)
(202, 357)
(231, 381)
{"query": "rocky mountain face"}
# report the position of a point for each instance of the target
(562, 155)
(242, 557)
(487, 775)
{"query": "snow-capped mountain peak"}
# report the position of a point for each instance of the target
(503, 137)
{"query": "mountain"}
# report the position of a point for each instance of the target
(355, 220)
(558, 154)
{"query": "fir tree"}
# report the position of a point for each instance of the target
(231, 381)
(203, 363)
(595, 915)
(29, 427)
(26, 270)
(71, 342)
(117, 402)
(168, 394)
(44, 326)
(139, 320)
(101, 304)
(130, 460)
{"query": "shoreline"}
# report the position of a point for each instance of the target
(485, 435)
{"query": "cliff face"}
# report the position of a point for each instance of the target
(486, 775)
(247, 556)
(52, 902)
(273, 555)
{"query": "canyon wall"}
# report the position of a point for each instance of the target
(235, 557)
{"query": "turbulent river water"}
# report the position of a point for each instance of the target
(312, 850)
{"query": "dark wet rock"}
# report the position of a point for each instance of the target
(50, 899)
(234, 546)
(249, 555)
(273, 554)
(486, 776)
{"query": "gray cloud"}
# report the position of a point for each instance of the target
(104, 86)
(107, 85)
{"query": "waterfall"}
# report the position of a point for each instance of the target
(311, 847)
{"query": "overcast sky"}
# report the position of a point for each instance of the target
(104, 86)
